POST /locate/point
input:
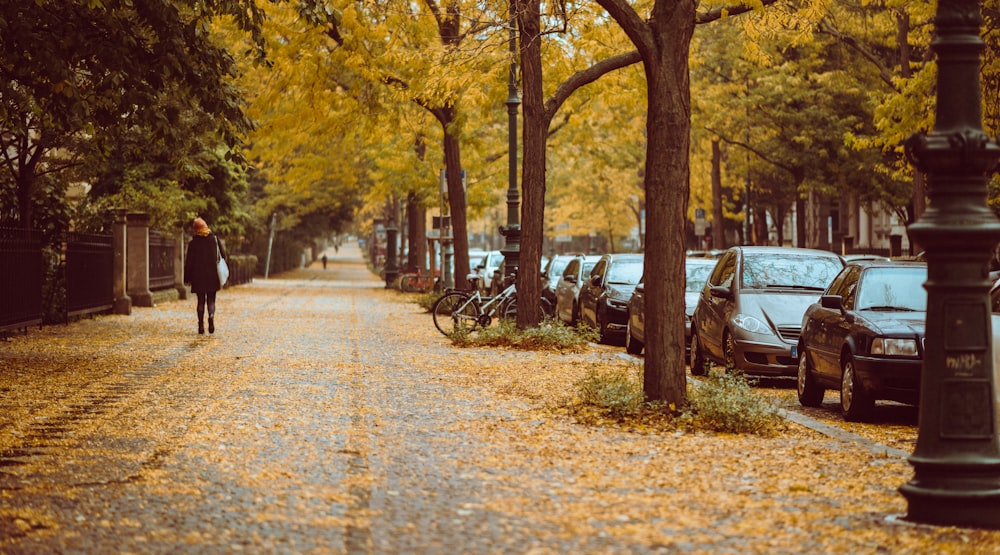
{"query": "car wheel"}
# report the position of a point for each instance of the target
(632, 345)
(855, 403)
(810, 392)
(697, 359)
(729, 351)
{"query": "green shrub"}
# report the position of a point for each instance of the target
(550, 335)
(618, 390)
(727, 402)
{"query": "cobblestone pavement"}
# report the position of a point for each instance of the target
(326, 416)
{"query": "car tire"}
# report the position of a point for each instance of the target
(697, 361)
(855, 403)
(632, 345)
(809, 391)
(729, 351)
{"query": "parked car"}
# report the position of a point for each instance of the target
(568, 289)
(749, 314)
(604, 295)
(696, 271)
(552, 273)
(488, 267)
(865, 337)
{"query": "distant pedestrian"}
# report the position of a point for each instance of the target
(201, 270)
(336, 247)
(324, 261)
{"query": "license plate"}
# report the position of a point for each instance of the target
(795, 351)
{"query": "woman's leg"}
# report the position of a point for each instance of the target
(201, 311)
(211, 311)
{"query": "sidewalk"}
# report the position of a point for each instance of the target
(328, 415)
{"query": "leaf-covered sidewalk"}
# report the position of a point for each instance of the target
(327, 415)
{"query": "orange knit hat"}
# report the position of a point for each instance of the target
(200, 227)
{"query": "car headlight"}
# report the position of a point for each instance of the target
(617, 304)
(889, 346)
(751, 324)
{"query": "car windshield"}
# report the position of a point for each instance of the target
(697, 275)
(558, 265)
(626, 271)
(789, 270)
(893, 289)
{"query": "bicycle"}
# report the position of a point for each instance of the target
(459, 310)
(417, 282)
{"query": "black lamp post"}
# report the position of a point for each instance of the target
(391, 249)
(957, 457)
(512, 231)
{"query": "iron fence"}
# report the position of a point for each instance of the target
(89, 273)
(161, 261)
(20, 278)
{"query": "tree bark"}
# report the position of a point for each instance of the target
(456, 198)
(535, 127)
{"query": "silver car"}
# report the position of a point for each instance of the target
(749, 314)
(568, 288)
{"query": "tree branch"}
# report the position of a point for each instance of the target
(726, 139)
(586, 77)
(726, 11)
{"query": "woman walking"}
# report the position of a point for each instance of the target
(201, 270)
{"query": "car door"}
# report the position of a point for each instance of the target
(819, 328)
(565, 291)
(712, 312)
(590, 291)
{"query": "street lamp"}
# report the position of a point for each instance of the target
(957, 457)
(512, 231)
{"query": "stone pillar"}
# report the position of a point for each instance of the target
(179, 255)
(122, 302)
(137, 264)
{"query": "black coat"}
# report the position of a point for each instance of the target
(200, 264)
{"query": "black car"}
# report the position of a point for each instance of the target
(696, 272)
(604, 295)
(865, 337)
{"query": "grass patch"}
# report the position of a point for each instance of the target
(424, 300)
(727, 402)
(724, 402)
(614, 390)
(550, 335)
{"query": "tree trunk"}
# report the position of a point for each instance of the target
(668, 128)
(456, 198)
(535, 128)
(416, 223)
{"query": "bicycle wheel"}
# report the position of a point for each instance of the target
(508, 310)
(453, 312)
(409, 283)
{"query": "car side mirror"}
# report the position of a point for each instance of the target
(721, 292)
(833, 302)
(836, 302)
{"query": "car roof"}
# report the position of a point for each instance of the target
(766, 249)
(887, 263)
